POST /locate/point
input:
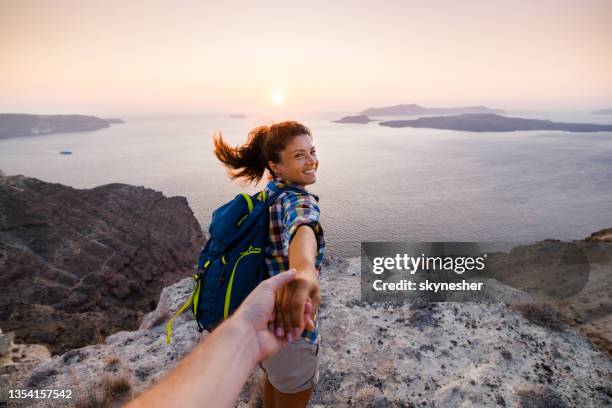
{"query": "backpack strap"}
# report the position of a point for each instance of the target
(192, 300)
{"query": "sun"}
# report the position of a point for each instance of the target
(278, 97)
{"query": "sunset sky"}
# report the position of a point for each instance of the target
(133, 57)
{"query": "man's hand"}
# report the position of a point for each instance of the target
(296, 305)
(218, 367)
(257, 311)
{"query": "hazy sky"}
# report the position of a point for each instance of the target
(122, 57)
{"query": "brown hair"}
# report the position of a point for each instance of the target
(264, 143)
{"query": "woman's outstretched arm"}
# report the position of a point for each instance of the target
(298, 302)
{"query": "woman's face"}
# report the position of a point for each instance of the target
(298, 162)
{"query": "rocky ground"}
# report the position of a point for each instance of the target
(18, 360)
(590, 310)
(575, 277)
(382, 355)
(79, 264)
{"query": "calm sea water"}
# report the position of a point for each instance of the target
(375, 183)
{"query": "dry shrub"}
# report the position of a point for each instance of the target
(601, 342)
(539, 313)
(110, 392)
(112, 363)
(113, 360)
(116, 388)
(99, 338)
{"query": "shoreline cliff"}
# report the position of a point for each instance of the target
(520, 350)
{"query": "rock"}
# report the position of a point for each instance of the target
(409, 368)
(141, 357)
(570, 280)
(78, 265)
(18, 360)
(541, 397)
(6, 346)
(604, 235)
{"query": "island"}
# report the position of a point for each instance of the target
(114, 121)
(363, 119)
(22, 124)
(489, 122)
(413, 109)
(237, 116)
(603, 112)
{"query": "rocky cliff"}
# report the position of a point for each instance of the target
(381, 355)
(78, 265)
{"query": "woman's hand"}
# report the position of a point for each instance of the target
(296, 305)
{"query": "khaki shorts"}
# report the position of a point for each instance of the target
(295, 368)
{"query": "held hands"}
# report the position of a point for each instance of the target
(257, 314)
(290, 300)
(257, 311)
(296, 306)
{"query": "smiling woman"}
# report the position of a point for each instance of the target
(294, 241)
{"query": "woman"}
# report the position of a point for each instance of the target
(295, 240)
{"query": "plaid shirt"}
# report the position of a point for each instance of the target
(287, 213)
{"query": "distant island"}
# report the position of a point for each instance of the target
(603, 112)
(114, 121)
(22, 124)
(238, 116)
(413, 109)
(354, 119)
(489, 122)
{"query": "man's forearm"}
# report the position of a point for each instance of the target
(208, 369)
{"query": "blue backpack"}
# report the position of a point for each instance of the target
(231, 263)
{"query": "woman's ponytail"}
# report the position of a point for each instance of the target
(247, 161)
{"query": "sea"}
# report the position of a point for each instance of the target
(375, 183)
